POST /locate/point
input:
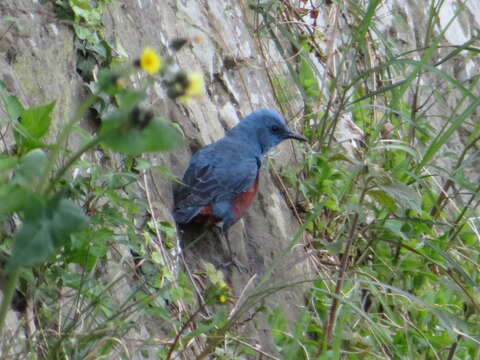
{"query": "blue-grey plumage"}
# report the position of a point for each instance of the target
(222, 178)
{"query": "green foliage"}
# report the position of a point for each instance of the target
(86, 16)
(13, 106)
(92, 48)
(47, 189)
(53, 221)
(45, 228)
(30, 169)
(131, 139)
(33, 124)
(397, 275)
(306, 75)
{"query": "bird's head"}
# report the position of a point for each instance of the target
(267, 128)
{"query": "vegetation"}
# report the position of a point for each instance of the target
(391, 227)
(390, 224)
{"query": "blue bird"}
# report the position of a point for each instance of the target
(221, 180)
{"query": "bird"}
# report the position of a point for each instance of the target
(222, 178)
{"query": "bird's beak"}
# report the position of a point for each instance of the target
(294, 135)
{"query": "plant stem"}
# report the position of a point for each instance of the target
(180, 332)
(60, 172)
(62, 138)
(343, 269)
(453, 348)
(338, 287)
(8, 296)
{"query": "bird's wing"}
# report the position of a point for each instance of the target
(215, 174)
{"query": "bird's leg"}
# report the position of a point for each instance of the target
(223, 235)
(227, 240)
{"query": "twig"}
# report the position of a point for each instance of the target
(254, 348)
(343, 270)
(182, 329)
(338, 287)
(8, 296)
(242, 295)
(453, 349)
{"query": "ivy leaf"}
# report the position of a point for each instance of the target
(83, 9)
(85, 33)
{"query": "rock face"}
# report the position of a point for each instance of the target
(38, 64)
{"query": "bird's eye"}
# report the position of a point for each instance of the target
(275, 129)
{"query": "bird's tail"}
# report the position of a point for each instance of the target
(186, 214)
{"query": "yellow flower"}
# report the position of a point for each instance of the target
(150, 61)
(198, 39)
(195, 85)
(222, 298)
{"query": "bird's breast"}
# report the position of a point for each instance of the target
(206, 216)
(240, 205)
(242, 201)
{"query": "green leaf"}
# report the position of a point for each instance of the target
(101, 50)
(128, 100)
(83, 10)
(13, 106)
(107, 83)
(32, 244)
(404, 196)
(89, 246)
(158, 135)
(33, 125)
(44, 229)
(67, 218)
(340, 157)
(214, 275)
(142, 164)
(37, 119)
(395, 226)
(443, 137)
(7, 162)
(80, 4)
(384, 199)
(31, 169)
(307, 77)
(332, 203)
(85, 33)
(397, 145)
(86, 67)
(13, 198)
(220, 317)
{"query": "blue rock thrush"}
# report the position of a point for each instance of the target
(221, 181)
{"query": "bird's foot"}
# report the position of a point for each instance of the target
(240, 267)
